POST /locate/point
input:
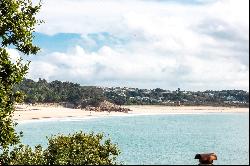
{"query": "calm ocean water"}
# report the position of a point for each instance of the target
(160, 139)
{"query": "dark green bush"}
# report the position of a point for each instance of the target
(76, 149)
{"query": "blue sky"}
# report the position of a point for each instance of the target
(63, 41)
(57, 42)
(191, 44)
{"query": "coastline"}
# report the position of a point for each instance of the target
(48, 112)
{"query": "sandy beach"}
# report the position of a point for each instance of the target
(40, 112)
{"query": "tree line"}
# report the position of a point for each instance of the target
(59, 92)
(79, 96)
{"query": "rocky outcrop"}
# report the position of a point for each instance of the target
(109, 107)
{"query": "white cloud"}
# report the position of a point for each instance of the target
(14, 54)
(88, 16)
(109, 67)
(40, 69)
(170, 45)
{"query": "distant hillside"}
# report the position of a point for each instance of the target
(68, 93)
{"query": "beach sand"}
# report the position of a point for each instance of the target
(39, 112)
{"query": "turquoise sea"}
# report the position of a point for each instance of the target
(159, 139)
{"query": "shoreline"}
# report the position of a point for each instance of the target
(45, 112)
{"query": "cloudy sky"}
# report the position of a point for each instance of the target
(190, 44)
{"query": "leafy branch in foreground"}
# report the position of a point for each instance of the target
(17, 23)
(10, 74)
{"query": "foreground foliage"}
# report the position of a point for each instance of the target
(17, 22)
(77, 149)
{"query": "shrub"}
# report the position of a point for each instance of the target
(76, 149)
